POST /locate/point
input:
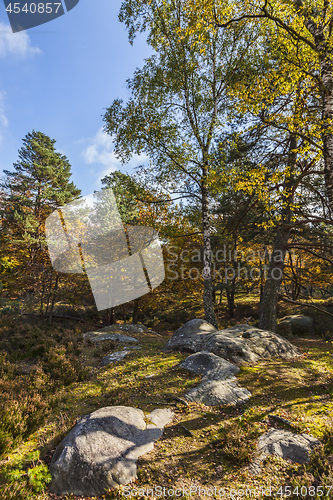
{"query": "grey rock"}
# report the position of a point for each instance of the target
(191, 337)
(284, 329)
(100, 452)
(116, 328)
(114, 356)
(211, 366)
(286, 444)
(300, 325)
(217, 353)
(218, 386)
(243, 344)
(238, 344)
(218, 392)
(98, 336)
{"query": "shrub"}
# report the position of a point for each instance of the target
(19, 418)
(62, 367)
(28, 473)
(26, 388)
(23, 407)
(102, 348)
(39, 477)
(327, 439)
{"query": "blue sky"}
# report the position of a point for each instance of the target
(58, 78)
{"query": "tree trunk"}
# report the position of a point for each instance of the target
(270, 295)
(327, 136)
(112, 322)
(53, 299)
(135, 312)
(267, 318)
(231, 298)
(42, 294)
(49, 293)
(207, 262)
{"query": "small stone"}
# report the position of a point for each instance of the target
(114, 356)
(98, 336)
(116, 328)
(284, 329)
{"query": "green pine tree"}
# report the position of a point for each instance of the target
(37, 186)
(39, 183)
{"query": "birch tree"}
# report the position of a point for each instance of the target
(177, 106)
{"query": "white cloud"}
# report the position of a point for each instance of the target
(15, 43)
(100, 152)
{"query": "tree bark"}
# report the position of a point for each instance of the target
(231, 297)
(112, 321)
(327, 136)
(270, 295)
(135, 312)
(42, 294)
(49, 293)
(267, 318)
(207, 261)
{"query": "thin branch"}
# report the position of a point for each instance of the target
(297, 303)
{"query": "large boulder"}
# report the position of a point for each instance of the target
(100, 452)
(284, 329)
(238, 344)
(300, 325)
(243, 344)
(218, 386)
(211, 366)
(286, 444)
(218, 392)
(191, 337)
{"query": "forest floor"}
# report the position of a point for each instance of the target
(51, 376)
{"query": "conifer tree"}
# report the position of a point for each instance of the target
(38, 185)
